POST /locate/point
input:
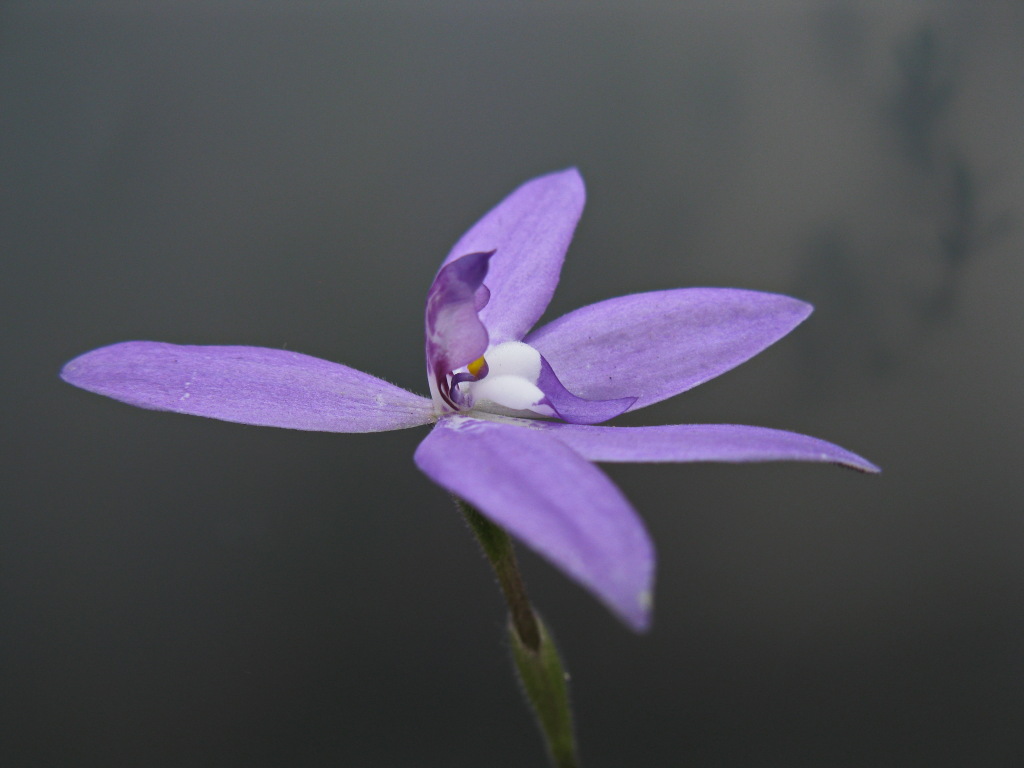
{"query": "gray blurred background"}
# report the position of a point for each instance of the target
(183, 592)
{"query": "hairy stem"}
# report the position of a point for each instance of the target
(497, 546)
(536, 658)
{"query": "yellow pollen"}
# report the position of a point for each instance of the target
(476, 366)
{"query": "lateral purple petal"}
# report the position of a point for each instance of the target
(655, 345)
(551, 499)
(700, 442)
(529, 231)
(248, 385)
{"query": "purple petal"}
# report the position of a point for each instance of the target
(454, 334)
(248, 385)
(655, 345)
(577, 410)
(701, 442)
(530, 232)
(553, 500)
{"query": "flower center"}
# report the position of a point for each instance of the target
(505, 380)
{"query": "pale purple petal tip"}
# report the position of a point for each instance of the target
(701, 442)
(247, 385)
(530, 232)
(655, 345)
(551, 499)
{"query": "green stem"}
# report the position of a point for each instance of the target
(543, 678)
(536, 657)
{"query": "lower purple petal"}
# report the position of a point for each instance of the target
(248, 385)
(554, 501)
(700, 442)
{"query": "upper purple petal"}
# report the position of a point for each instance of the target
(530, 231)
(655, 345)
(700, 442)
(248, 385)
(454, 334)
(553, 500)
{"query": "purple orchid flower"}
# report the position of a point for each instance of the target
(514, 411)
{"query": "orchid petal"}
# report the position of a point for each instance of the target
(529, 231)
(577, 410)
(248, 385)
(553, 500)
(700, 442)
(455, 335)
(655, 345)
